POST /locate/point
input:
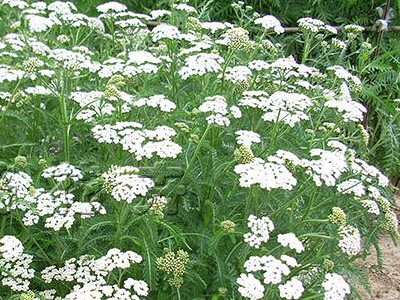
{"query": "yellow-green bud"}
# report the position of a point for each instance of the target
(182, 126)
(243, 155)
(20, 161)
(194, 24)
(228, 226)
(27, 296)
(111, 91)
(337, 216)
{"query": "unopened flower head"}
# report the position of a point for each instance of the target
(337, 216)
(228, 226)
(243, 155)
(174, 263)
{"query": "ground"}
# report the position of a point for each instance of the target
(385, 281)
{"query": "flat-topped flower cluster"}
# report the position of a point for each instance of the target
(176, 142)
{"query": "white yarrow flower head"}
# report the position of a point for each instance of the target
(112, 6)
(268, 175)
(247, 138)
(270, 22)
(292, 289)
(125, 184)
(311, 25)
(335, 287)
(250, 287)
(62, 172)
(200, 64)
(165, 31)
(260, 229)
(237, 74)
(290, 240)
(14, 264)
(352, 186)
(350, 242)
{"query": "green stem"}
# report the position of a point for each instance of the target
(228, 59)
(3, 225)
(306, 50)
(65, 121)
(193, 156)
(179, 293)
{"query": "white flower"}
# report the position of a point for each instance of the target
(237, 74)
(371, 206)
(111, 7)
(290, 240)
(200, 64)
(260, 229)
(352, 110)
(247, 138)
(158, 13)
(184, 7)
(14, 264)
(165, 31)
(125, 185)
(351, 186)
(350, 242)
(250, 287)
(62, 172)
(269, 175)
(270, 22)
(290, 261)
(328, 168)
(38, 23)
(292, 289)
(335, 287)
(274, 269)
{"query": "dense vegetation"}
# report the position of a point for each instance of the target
(211, 157)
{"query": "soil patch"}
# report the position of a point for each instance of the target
(385, 281)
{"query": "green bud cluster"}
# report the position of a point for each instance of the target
(31, 65)
(174, 263)
(27, 296)
(244, 155)
(194, 24)
(111, 91)
(328, 265)
(238, 39)
(20, 161)
(182, 126)
(228, 226)
(337, 216)
(391, 222)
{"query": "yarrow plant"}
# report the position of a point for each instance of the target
(184, 159)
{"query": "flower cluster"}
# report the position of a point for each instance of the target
(268, 175)
(270, 22)
(132, 139)
(272, 268)
(281, 106)
(62, 172)
(90, 274)
(218, 106)
(335, 287)
(156, 101)
(125, 184)
(350, 242)
(260, 229)
(174, 263)
(201, 64)
(14, 264)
